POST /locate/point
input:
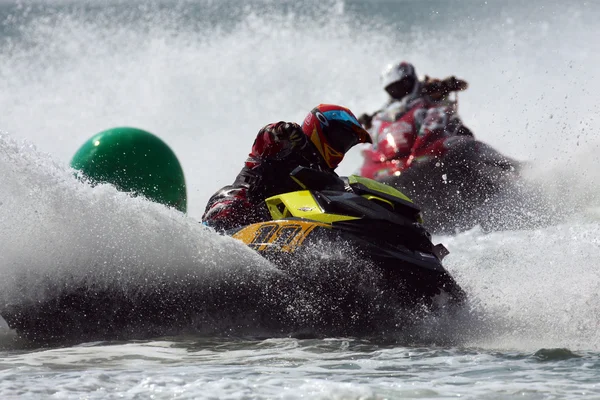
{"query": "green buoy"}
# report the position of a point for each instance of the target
(134, 161)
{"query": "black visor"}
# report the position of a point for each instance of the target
(341, 136)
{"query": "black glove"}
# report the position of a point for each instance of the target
(365, 120)
(289, 132)
(438, 89)
(289, 137)
(454, 84)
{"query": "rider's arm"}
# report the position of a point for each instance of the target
(230, 208)
(431, 128)
(236, 205)
(226, 208)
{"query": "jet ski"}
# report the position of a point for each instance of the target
(470, 184)
(366, 219)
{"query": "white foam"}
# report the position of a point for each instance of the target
(58, 231)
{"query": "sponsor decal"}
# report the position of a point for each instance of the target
(322, 118)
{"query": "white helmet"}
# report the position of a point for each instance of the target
(394, 73)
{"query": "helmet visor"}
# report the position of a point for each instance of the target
(401, 88)
(344, 130)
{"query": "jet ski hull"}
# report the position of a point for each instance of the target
(471, 185)
(414, 275)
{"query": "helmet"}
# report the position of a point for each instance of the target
(399, 79)
(333, 130)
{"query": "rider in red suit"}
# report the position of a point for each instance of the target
(416, 123)
(326, 134)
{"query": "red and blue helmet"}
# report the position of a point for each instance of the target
(334, 130)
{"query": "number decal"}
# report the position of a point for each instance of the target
(286, 234)
(276, 236)
(264, 234)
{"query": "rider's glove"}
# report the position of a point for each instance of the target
(454, 84)
(289, 134)
(365, 120)
(282, 131)
(439, 89)
(297, 136)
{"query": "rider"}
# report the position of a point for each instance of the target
(424, 113)
(326, 134)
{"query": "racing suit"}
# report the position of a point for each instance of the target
(419, 130)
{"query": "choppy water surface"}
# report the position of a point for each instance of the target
(205, 77)
(294, 369)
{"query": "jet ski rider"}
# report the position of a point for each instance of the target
(424, 106)
(326, 134)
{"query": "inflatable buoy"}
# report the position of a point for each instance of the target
(134, 161)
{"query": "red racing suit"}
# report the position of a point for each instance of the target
(275, 154)
(410, 131)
